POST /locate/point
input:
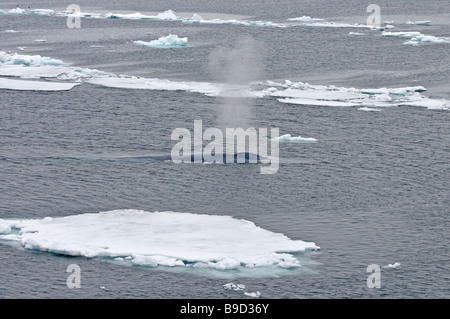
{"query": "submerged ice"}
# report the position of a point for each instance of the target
(159, 239)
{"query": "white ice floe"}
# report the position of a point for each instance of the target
(45, 12)
(306, 19)
(255, 294)
(29, 66)
(168, 15)
(4, 228)
(369, 109)
(17, 11)
(316, 22)
(159, 239)
(416, 37)
(229, 286)
(170, 41)
(24, 85)
(331, 96)
(426, 39)
(419, 23)
(198, 19)
(27, 60)
(395, 265)
(287, 138)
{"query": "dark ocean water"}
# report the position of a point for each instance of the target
(373, 190)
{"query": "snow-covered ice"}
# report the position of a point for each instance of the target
(159, 239)
(24, 85)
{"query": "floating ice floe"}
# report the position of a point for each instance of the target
(299, 93)
(27, 60)
(419, 23)
(198, 19)
(229, 286)
(46, 12)
(306, 19)
(168, 15)
(255, 294)
(170, 41)
(24, 85)
(17, 11)
(316, 22)
(154, 239)
(415, 37)
(287, 138)
(369, 109)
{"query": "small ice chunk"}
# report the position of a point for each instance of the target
(253, 294)
(232, 286)
(287, 138)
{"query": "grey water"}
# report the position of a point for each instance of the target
(373, 190)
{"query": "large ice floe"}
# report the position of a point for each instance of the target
(170, 41)
(154, 239)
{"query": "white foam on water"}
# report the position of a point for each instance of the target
(395, 265)
(287, 138)
(154, 239)
(170, 41)
(355, 33)
(24, 85)
(10, 31)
